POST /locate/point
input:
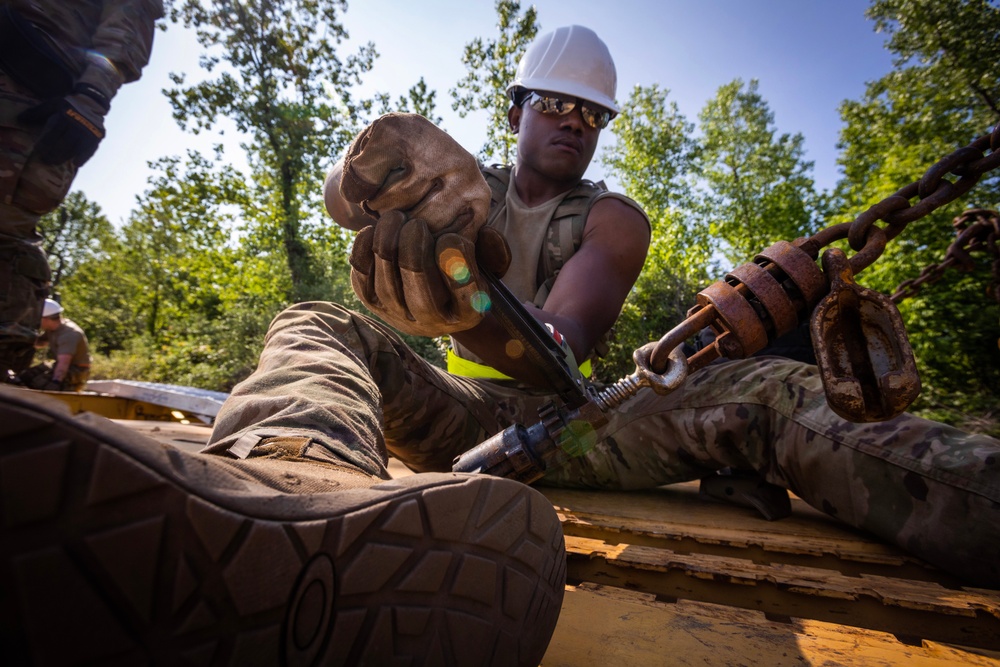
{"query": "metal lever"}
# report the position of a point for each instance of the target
(526, 454)
(536, 341)
(862, 351)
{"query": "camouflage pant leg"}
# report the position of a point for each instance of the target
(24, 284)
(929, 488)
(76, 379)
(26, 184)
(355, 387)
(28, 190)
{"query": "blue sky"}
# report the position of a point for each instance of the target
(808, 55)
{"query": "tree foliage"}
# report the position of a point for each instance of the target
(492, 65)
(280, 79)
(653, 158)
(942, 94)
(758, 186)
(72, 234)
(419, 100)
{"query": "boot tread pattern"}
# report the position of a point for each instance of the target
(126, 565)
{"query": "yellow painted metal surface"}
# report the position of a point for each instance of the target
(114, 407)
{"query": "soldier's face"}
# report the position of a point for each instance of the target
(559, 148)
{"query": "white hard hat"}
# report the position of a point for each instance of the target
(51, 308)
(571, 60)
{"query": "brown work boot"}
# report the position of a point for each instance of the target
(115, 549)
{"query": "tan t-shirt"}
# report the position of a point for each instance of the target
(525, 229)
(70, 339)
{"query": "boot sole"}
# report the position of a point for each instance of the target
(115, 549)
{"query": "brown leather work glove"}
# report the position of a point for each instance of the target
(403, 162)
(416, 266)
(423, 284)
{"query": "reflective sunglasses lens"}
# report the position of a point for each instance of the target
(596, 118)
(550, 105)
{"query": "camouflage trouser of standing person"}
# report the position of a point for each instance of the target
(345, 387)
(28, 190)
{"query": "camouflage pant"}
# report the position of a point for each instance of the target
(24, 284)
(355, 390)
(28, 190)
(40, 376)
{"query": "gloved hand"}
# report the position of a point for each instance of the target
(416, 266)
(403, 162)
(52, 385)
(423, 284)
(73, 127)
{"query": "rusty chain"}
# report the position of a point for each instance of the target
(741, 332)
(978, 229)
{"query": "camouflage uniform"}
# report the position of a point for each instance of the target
(341, 386)
(102, 44)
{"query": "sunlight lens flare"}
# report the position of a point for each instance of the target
(453, 263)
(481, 302)
(514, 349)
(101, 61)
(578, 438)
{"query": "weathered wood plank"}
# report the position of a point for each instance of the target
(917, 609)
(679, 519)
(610, 626)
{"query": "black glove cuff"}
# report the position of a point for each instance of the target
(91, 91)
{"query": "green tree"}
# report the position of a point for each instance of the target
(758, 186)
(72, 234)
(171, 274)
(942, 93)
(492, 65)
(282, 82)
(417, 100)
(652, 158)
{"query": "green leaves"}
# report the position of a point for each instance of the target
(492, 65)
(278, 68)
(73, 234)
(758, 183)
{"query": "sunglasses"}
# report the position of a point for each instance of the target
(596, 117)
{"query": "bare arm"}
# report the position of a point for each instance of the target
(62, 367)
(588, 295)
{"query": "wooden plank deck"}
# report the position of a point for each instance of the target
(667, 577)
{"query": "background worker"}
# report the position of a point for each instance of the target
(67, 344)
(61, 63)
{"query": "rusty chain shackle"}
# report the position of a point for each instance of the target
(759, 301)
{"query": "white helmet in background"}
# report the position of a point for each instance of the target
(51, 308)
(571, 60)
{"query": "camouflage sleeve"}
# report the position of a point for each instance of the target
(122, 43)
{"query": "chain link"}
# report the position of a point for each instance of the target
(868, 240)
(934, 191)
(978, 229)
